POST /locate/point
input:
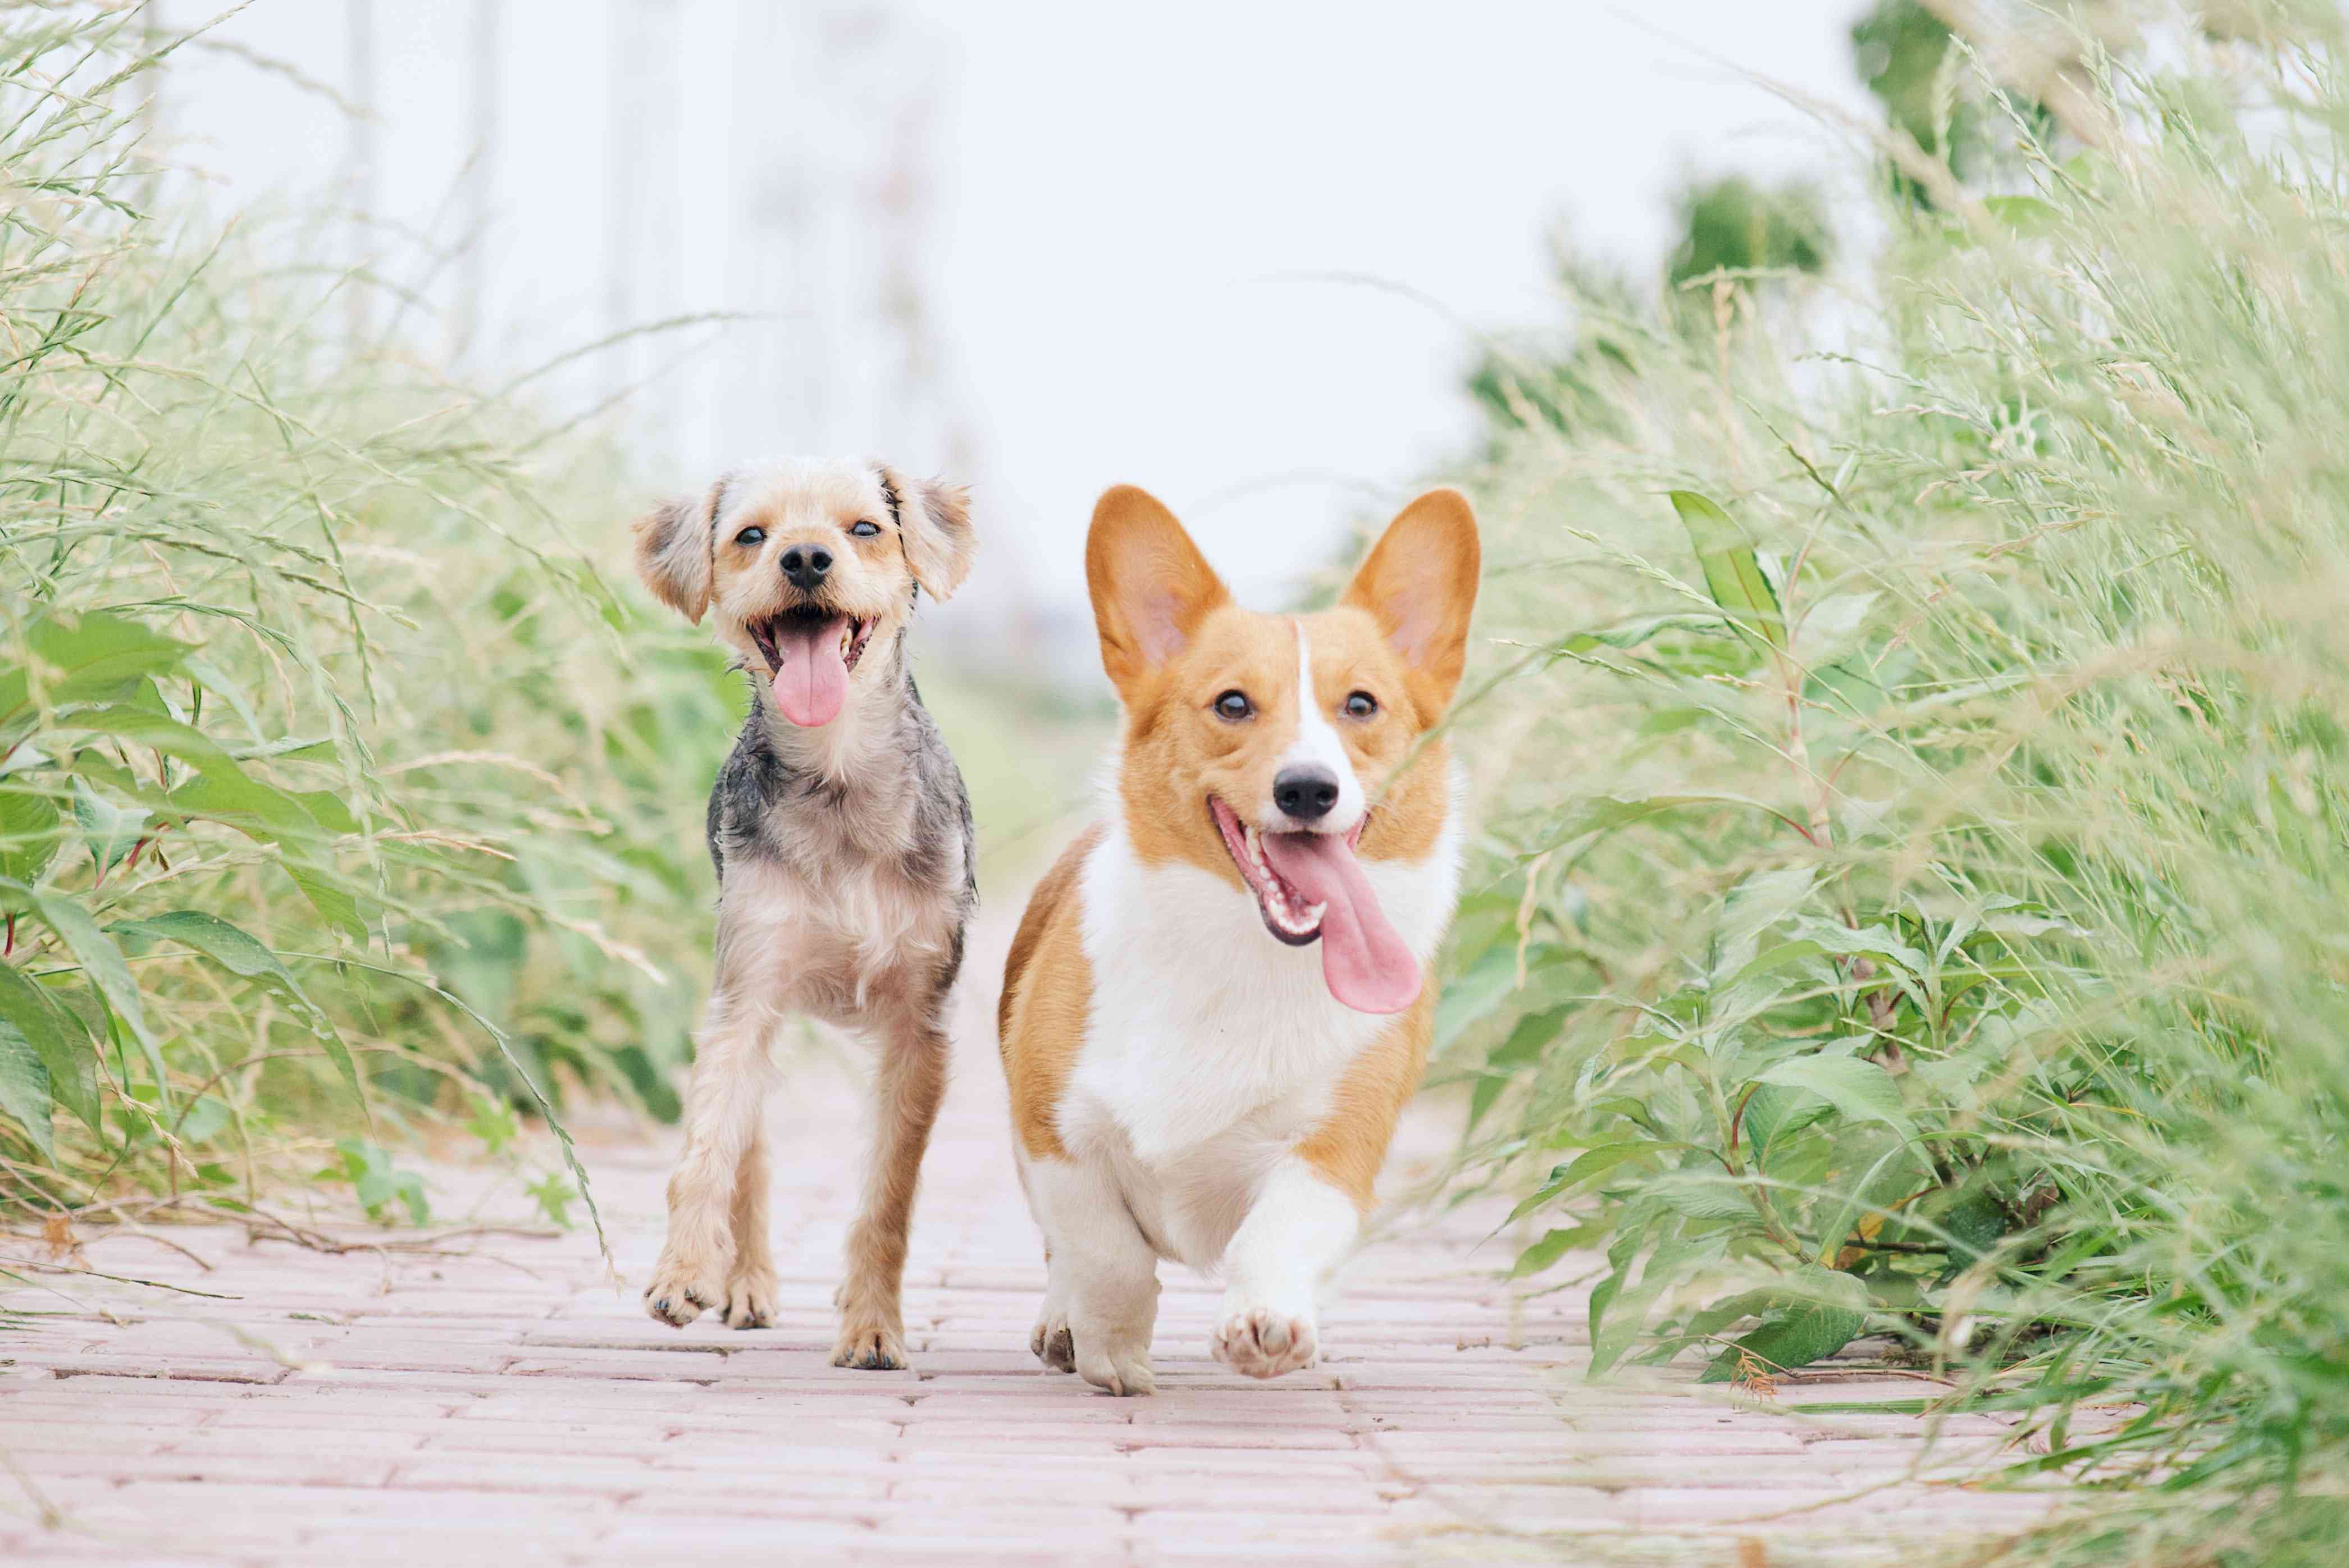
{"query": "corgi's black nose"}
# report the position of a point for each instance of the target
(1305, 793)
(805, 564)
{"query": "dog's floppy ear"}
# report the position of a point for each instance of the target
(1419, 582)
(933, 518)
(1151, 587)
(675, 542)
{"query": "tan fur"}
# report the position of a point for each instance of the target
(1046, 991)
(1351, 1143)
(860, 941)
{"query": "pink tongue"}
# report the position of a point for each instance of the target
(813, 680)
(1363, 959)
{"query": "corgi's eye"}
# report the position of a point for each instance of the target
(865, 529)
(751, 536)
(1234, 705)
(1360, 705)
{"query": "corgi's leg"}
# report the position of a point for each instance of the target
(1104, 1295)
(907, 1084)
(1296, 1231)
(722, 1108)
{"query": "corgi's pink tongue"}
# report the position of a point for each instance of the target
(1364, 960)
(813, 680)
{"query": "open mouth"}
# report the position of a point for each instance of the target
(809, 652)
(1308, 887)
(1289, 913)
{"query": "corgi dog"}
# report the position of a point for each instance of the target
(1216, 1003)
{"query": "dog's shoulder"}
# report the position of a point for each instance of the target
(1047, 995)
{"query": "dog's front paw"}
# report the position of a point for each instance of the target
(750, 1299)
(1265, 1342)
(1050, 1341)
(870, 1345)
(681, 1291)
(1112, 1363)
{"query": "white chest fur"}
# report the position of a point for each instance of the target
(1206, 1028)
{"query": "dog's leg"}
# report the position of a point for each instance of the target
(1104, 1275)
(722, 1107)
(1295, 1232)
(908, 1083)
(750, 1291)
(1049, 1341)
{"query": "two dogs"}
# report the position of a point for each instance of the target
(1214, 1008)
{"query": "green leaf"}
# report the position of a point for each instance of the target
(1552, 1246)
(57, 1038)
(1631, 634)
(1524, 1045)
(1585, 1166)
(25, 1087)
(240, 953)
(2021, 215)
(96, 655)
(1475, 994)
(1825, 1317)
(1699, 1195)
(1860, 1090)
(1732, 574)
(1753, 907)
(29, 839)
(220, 788)
(1616, 1322)
(1828, 627)
(109, 831)
(101, 961)
(1774, 1113)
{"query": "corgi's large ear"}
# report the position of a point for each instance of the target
(1151, 587)
(933, 519)
(1419, 582)
(675, 544)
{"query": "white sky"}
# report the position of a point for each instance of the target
(1236, 253)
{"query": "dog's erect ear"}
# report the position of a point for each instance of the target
(1151, 586)
(1419, 582)
(675, 542)
(934, 521)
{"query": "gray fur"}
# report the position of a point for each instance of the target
(908, 811)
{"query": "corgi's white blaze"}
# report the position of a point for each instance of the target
(1212, 1049)
(1317, 742)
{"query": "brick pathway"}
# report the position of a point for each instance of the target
(500, 1400)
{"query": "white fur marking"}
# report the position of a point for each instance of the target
(1318, 742)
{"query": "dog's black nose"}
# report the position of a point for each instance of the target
(1305, 793)
(805, 564)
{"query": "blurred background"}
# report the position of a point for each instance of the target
(1233, 254)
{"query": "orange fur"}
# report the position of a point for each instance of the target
(1046, 991)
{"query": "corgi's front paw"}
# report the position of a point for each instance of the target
(1112, 1363)
(682, 1289)
(1050, 1342)
(1265, 1342)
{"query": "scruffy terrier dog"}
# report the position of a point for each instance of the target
(841, 836)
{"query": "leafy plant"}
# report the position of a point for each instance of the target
(330, 770)
(1917, 807)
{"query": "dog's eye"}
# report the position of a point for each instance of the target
(1234, 705)
(865, 529)
(1360, 705)
(751, 536)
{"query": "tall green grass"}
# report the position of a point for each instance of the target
(338, 795)
(1916, 892)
